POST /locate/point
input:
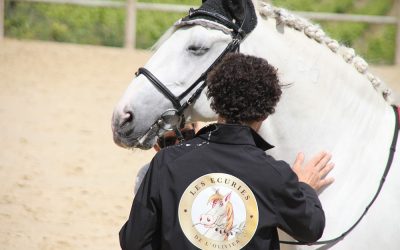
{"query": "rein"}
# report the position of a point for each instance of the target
(237, 37)
(385, 173)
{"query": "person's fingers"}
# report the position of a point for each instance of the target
(325, 182)
(325, 171)
(324, 160)
(316, 159)
(299, 160)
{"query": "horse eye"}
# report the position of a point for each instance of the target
(197, 50)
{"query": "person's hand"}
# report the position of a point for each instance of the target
(314, 172)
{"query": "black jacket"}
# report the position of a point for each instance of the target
(161, 217)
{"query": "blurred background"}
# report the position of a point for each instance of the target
(374, 39)
(64, 65)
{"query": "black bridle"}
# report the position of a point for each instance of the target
(176, 100)
(238, 36)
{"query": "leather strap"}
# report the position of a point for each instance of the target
(220, 18)
(158, 84)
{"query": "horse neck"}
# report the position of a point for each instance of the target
(327, 98)
(329, 106)
(324, 94)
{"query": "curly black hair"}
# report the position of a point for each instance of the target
(243, 88)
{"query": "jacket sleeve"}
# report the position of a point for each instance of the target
(299, 210)
(142, 230)
(140, 177)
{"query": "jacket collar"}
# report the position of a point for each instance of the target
(233, 134)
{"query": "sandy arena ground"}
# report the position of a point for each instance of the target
(63, 183)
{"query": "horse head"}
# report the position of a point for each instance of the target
(191, 47)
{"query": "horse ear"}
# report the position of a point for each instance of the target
(236, 8)
(228, 197)
(242, 12)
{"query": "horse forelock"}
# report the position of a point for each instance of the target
(215, 197)
(315, 32)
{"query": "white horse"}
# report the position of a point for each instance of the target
(332, 103)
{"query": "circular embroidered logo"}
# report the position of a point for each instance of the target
(218, 211)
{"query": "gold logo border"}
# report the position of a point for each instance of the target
(185, 213)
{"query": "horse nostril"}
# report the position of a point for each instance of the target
(126, 118)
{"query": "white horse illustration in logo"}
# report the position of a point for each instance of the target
(218, 221)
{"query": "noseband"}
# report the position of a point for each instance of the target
(237, 37)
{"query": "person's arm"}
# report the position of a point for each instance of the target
(141, 231)
(300, 213)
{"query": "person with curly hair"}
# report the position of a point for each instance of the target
(221, 190)
(243, 89)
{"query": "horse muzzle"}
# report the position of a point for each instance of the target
(126, 135)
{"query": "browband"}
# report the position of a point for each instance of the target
(219, 18)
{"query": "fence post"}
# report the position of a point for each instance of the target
(130, 24)
(2, 20)
(397, 59)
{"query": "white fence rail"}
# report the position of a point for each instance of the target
(1, 19)
(132, 6)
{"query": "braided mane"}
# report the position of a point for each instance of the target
(313, 31)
